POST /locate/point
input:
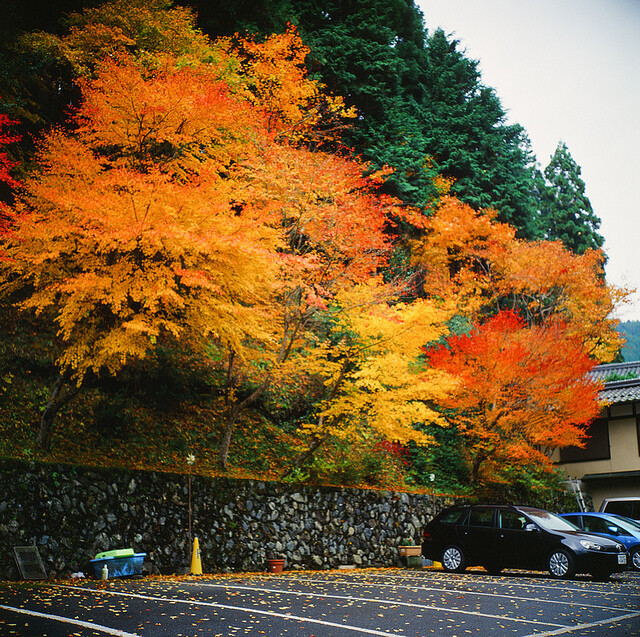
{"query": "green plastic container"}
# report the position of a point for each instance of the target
(114, 553)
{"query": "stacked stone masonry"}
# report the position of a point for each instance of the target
(72, 513)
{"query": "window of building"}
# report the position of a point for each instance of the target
(619, 411)
(597, 444)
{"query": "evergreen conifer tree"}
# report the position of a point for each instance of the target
(566, 212)
(470, 141)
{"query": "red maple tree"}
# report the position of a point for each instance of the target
(522, 391)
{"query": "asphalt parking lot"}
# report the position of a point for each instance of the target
(349, 603)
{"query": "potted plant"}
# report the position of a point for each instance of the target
(408, 547)
(276, 563)
(410, 553)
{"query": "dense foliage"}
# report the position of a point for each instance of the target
(277, 250)
(422, 106)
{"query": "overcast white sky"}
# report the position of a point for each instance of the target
(568, 70)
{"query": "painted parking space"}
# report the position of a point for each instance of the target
(408, 603)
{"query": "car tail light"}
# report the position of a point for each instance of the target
(426, 535)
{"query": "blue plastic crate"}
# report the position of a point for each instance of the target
(120, 566)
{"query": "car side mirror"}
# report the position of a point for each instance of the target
(530, 527)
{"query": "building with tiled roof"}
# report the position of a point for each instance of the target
(609, 465)
(622, 381)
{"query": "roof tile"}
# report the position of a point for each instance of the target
(619, 391)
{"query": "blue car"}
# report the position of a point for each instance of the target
(615, 527)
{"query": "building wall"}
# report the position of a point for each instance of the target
(624, 445)
(601, 490)
(624, 452)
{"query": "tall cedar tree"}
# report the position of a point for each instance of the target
(469, 140)
(567, 214)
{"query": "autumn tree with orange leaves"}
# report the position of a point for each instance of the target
(539, 320)
(297, 107)
(522, 391)
(132, 232)
(183, 206)
(334, 225)
(477, 262)
(333, 238)
(6, 164)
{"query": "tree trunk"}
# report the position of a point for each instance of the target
(57, 400)
(304, 456)
(475, 469)
(238, 406)
(232, 418)
(225, 444)
(319, 441)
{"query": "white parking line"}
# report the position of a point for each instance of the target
(67, 620)
(191, 602)
(416, 587)
(497, 582)
(602, 622)
(386, 602)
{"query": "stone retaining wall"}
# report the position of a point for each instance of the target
(72, 513)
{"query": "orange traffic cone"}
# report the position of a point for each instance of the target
(196, 564)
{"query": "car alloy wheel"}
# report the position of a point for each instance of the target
(561, 564)
(453, 559)
(635, 559)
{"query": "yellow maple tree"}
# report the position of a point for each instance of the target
(375, 380)
(142, 28)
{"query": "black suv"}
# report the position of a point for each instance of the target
(499, 537)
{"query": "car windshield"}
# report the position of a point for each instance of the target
(551, 521)
(626, 523)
